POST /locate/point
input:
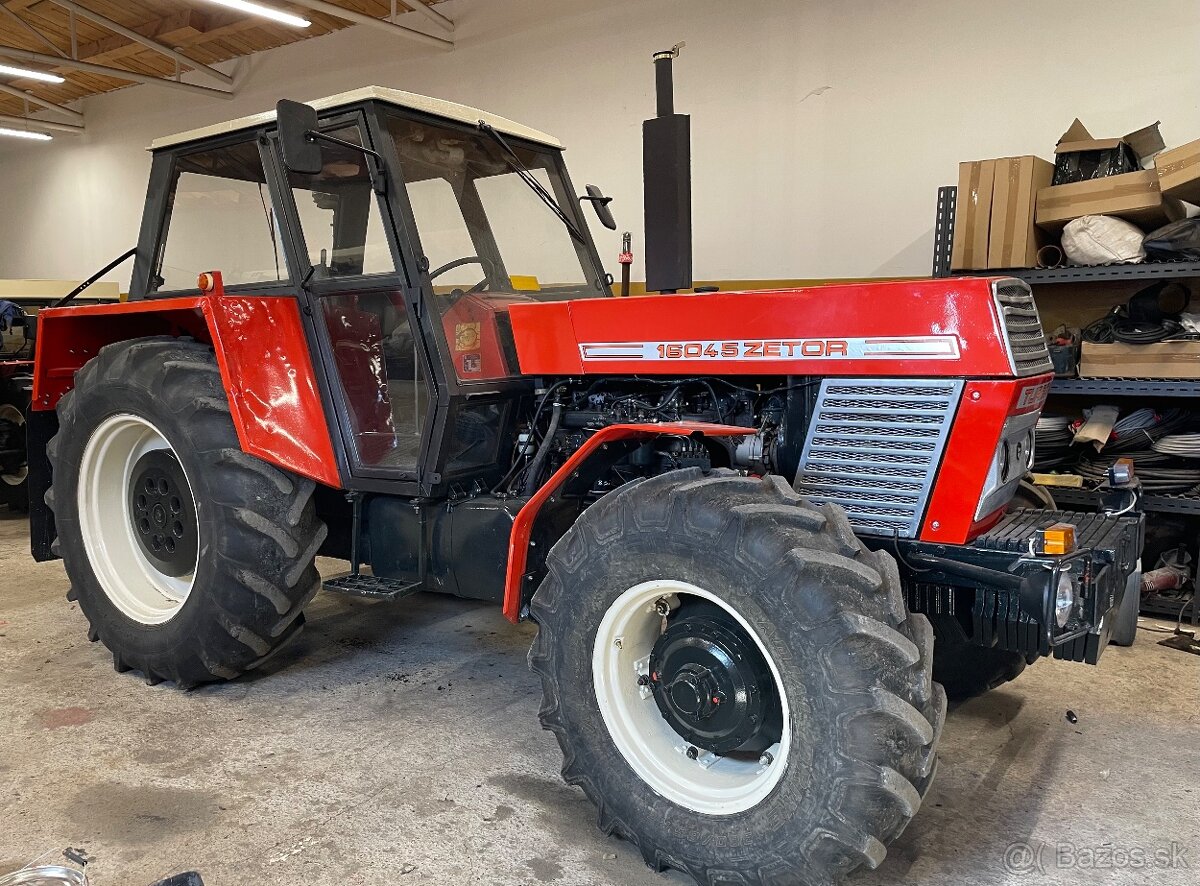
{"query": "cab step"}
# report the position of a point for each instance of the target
(371, 586)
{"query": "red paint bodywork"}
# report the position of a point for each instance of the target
(518, 544)
(472, 331)
(974, 437)
(548, 335)
(261, 350)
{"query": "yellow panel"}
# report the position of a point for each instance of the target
(525, 284)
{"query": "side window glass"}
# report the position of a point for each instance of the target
(339, 213)
(382, 374)
(444, 234)
(220, 217)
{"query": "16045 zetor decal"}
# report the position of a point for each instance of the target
(921, 347)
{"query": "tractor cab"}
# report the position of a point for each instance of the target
(406, 227)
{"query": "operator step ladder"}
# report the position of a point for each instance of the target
(373, 587)
(356, 584)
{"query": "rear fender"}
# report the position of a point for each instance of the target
(519, 579)
(261, 349)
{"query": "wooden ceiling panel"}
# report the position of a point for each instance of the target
(202, 31)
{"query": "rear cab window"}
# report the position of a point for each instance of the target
(219, 217)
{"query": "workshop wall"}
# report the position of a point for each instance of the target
(820, 133)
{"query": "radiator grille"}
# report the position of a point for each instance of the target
(1023, 328)
(874, 446)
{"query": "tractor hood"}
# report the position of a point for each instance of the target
(968, 327)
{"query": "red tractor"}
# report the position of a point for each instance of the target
(376, 328)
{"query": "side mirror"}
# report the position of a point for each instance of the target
(297, 123)
(599, 202)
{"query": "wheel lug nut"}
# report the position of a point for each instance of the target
(692, 753)
(766, 759)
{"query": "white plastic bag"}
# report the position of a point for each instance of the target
(1102, 240)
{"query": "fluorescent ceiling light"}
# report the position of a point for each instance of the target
(278, 15)
(25, 133)
(10, 71)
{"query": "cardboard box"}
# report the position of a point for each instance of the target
(1134, 196)
(1174, 359)
(1179, 172)
(1014, 239)
(1081, 157)
(973, 215)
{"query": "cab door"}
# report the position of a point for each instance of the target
(362, 310)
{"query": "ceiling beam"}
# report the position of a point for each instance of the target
(30, 123)
(180, 28)
(118, 28)
(33, 99)
(439, 21)
(361, 18)
(38, 35)
(105, 71)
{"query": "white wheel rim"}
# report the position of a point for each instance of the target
(657, 753)
(10, 413)
(127, 576)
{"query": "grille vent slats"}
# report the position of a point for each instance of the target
(1023, 328)
(873, 448)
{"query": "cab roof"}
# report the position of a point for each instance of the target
(411, 100)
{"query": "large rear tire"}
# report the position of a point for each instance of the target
(696, 558)
(191, 560)
(967, 670)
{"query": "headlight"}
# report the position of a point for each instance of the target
(1064, 599)
(1014, 454)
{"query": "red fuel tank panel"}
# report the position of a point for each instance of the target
(907, 328)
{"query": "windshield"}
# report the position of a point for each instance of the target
(482, 228)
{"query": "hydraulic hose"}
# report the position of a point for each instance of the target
(539, 461)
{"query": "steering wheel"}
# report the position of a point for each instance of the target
(489, 270)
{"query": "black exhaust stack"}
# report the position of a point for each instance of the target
(667, 184)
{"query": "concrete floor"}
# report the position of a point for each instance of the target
(401, 745)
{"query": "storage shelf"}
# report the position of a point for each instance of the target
(943, 238)
(1160, 504)
(1099, 273)
(1127, 387)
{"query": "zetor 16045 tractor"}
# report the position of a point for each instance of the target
(376, 328)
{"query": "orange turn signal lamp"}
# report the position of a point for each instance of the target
(1122, 472)
(1055, 540)
(205, 282)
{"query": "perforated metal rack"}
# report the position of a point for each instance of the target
(943, 238)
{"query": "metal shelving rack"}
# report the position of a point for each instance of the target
(1185, 505)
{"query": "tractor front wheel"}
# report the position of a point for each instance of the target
(191, 560)
(735, 681)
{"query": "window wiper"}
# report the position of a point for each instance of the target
(534, 185)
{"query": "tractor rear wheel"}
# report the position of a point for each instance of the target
(967, 670)
(191, 560)
(734, 680)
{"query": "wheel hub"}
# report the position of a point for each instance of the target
(712, 684)
(162, 513)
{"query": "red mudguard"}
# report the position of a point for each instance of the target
(261, 350)
(518, 544)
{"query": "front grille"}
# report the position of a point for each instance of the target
(874, 447)
(1026, 342)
